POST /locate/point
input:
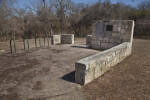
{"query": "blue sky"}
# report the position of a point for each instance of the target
(22, 3)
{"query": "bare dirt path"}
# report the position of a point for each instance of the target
(42, 74)
(129, 80)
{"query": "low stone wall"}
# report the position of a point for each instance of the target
(62, 39)
(88, 40)
(55, 39)
(94, 66)
(67, 39)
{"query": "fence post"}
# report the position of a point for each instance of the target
(44, 41)
(35, 43)
(15, 46)
(39, 42)
(48, 41)
(11, 45)
(28, 43)
(24, 44)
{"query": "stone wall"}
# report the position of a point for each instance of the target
(55, 39)
(62, 39)
(88, 39)
(94, 66)
(67, 39)
(107, 34)
(89, 68)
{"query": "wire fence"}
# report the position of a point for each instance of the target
(37, 42)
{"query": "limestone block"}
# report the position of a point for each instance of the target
(130, 25)
(119, 29)
(123, 26)
(80, 73)
(116, 40)
(111, 40)
(126, 26)
(122, 31)
(119, 23)
(55, 39)
(125, 22)
(107, 34)
(96, 46)
(88, 39)
(67, 39)
(94, 42)
(115, 28)
(126, 37)
(128, 32)
(98, 69)
(115, 34)
(106, 39)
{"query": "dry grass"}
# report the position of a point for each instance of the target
(129, 80)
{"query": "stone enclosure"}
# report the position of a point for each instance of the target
(114, 35)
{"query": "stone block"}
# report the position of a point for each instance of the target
(123, 31)
(119, 23)
(115, 34)
(67, 39)
(130, 25)
(122, 26)
(80, 73)
(128, 32)
(119, 29)
(126, 37)
(115, 28)
(126, 26)
(111, 40)
(107, 34)
(55, 39)
(106, 39)
(88, 39)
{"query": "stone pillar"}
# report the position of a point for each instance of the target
(88, 39)
(67, 39)
(55, 39)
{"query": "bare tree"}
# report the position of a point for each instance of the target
(44, 2)
(61, 8)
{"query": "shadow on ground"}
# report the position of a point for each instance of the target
(70, 77)
(86, 47)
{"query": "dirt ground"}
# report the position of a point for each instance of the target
(43, 73)
(48, 74)
(129, 80)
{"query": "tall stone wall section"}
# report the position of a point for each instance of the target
(89, 68)
(107, 34)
